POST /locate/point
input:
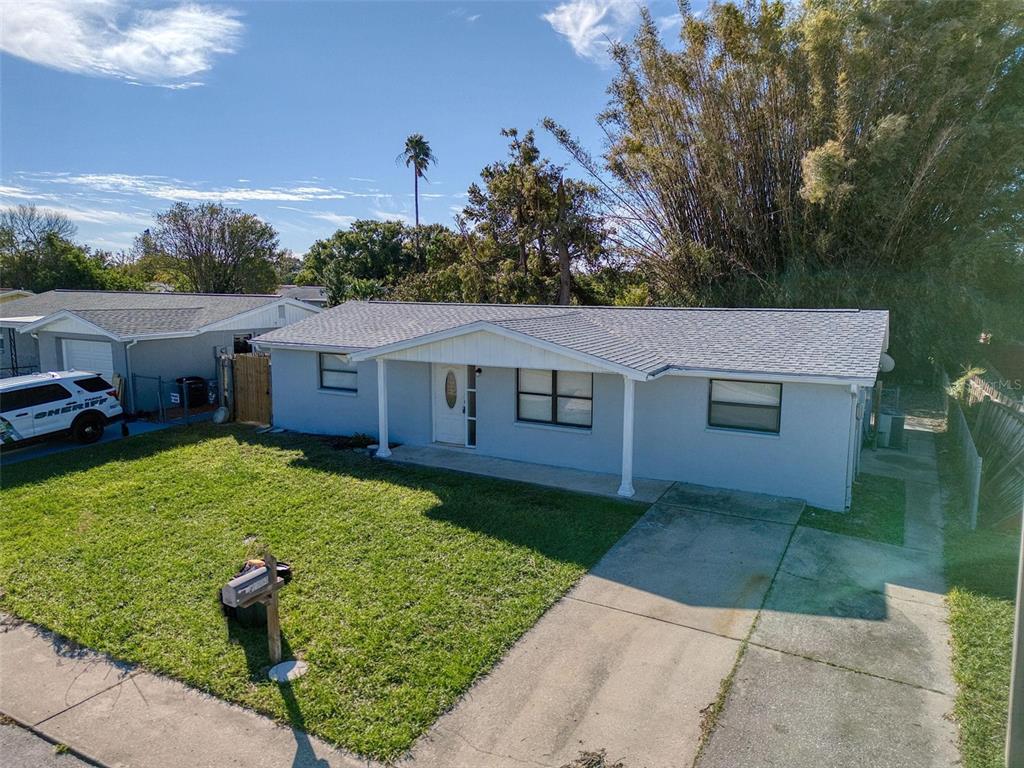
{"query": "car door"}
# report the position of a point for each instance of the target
(16, 422)
(52, 408)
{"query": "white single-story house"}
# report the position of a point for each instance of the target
(764, 400)
(158, 337)
(311, 294)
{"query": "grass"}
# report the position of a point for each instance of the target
(877, 511)
(408, 583)
(981, 571)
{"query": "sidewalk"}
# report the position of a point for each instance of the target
(117, 715)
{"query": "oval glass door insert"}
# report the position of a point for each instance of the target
(451, 389)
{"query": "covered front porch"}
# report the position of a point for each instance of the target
(469, 461)
(500, 402)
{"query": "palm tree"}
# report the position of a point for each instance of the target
(417, 153)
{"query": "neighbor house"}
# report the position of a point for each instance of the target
(147, 338)
(311, 294)
(761, 400)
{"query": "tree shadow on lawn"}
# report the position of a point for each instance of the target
(710, 560)
(561, 525)
(43, 468)
(253, 641)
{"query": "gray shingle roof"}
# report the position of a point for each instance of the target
(135, 313)
(841, 343)
(316, 293)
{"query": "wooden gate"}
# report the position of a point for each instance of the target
(252, 388)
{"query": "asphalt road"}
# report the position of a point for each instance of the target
(24, 749)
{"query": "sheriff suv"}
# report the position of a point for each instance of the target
(39, 405)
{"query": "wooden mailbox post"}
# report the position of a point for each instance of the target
(259, 585)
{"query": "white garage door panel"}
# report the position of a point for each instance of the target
(83, 355)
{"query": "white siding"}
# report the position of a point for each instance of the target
(489, 349)
(267, 317)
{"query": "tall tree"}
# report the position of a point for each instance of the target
(537, 225)
(36, 254)
(840, 152)
(29, 225)
(418, 156)
(213, 249)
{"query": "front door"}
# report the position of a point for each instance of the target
(450, 404)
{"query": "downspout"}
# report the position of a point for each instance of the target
(851, 445)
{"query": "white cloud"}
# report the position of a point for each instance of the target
(338, 219)
(391, 216)
(106, 217)
(466, 16)
(169, 46)
(589, 25)
(163, 188)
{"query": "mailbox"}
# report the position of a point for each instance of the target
(259, 583)
(242, 588)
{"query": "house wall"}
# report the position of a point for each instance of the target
(808, 458)
(300, 404)
(164, 358)
(51, 351)
(26, 352)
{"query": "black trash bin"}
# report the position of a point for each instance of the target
(192, 391)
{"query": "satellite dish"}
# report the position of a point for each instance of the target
(886, 363)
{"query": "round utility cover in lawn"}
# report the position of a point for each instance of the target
(287, 671)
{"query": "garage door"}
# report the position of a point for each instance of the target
(95, 356)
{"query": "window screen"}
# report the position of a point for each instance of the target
(746, 405)
(336, 372)
(555, 397)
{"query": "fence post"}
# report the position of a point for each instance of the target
(160, 399)
(975, 492)
(1015, 721)
(185, 395)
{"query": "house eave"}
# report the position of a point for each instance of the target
(483, 325)
(742, 375)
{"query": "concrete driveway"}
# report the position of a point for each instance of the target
(627, 661)
(849, 662)
(62, 444)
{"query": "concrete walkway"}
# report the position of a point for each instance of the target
(849, 662)
(469, 461)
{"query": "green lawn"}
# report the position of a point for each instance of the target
(877, 510)
(408, 583)
(981, 569)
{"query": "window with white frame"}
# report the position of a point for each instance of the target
(337, 372)
(565, 398)
(749, 405)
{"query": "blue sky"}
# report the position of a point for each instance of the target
(110, 111)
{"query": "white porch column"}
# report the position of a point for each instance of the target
(382, 409)
(626, 488)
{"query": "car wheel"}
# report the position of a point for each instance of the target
(88, 428)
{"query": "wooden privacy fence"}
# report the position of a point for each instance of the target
(978, 391)
(250, 375)
(999, 434)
